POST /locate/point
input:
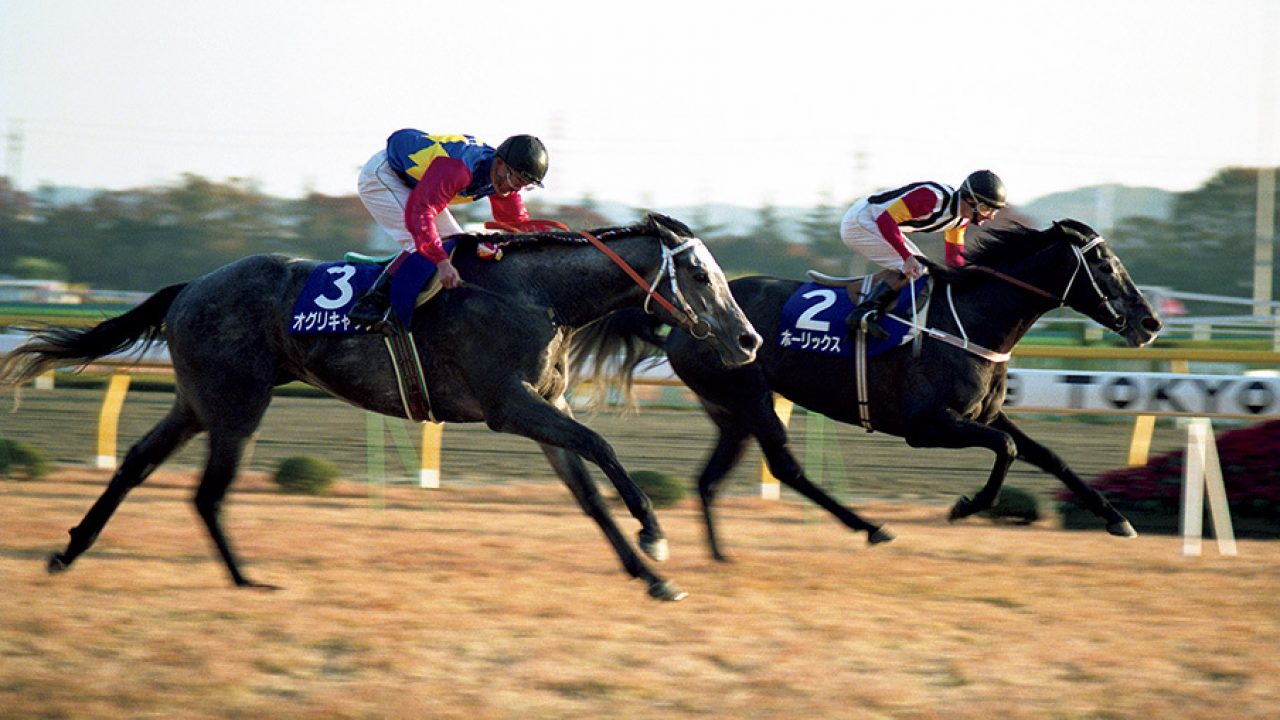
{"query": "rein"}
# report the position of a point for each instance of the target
(963, 341)
(1117, 321)
(697, 327)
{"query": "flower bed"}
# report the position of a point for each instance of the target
(1151, 495)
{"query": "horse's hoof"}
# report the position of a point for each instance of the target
(656, 549)
(879, 536)
(56, 564)
(1122, 529)
(963, 508)
(666, 590)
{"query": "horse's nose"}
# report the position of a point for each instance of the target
(749, 341)
(1152, 324)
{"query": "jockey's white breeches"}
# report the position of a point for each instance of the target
(385, 196)
(859, 233)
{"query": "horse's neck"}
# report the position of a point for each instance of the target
(994, 314)
(582, 284)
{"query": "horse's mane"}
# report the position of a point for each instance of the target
(1000, 245)
(1011, 242)
(509, 242)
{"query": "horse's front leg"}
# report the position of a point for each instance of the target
(1048, 461)
(946, 429)
(522, 412)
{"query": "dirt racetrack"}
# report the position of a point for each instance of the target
(503, 601)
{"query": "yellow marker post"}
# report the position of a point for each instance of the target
(770, 488)
(1144, 425)
(109, 419)
(429, 466)
(1140, 445)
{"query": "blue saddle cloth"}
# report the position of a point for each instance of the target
(334, 287)
(813, 320)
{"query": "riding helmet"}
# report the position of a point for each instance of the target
(985, 187)
(526, 155)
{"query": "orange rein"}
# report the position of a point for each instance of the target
(527, 225)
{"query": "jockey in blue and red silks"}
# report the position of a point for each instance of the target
(409, 186)
(876, 227)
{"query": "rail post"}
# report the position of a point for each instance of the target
(109, 419)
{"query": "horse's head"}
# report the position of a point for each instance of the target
(698, 290)
(1101, 288)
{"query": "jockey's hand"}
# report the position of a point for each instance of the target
(912, 268)
(449, 277)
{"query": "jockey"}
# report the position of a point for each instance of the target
(876, 227)
(408, 188)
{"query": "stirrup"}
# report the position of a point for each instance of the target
(871, 328)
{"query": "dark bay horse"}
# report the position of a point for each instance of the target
(492, 351)
(944, 397)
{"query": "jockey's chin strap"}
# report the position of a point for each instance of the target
(687, 318)
(1117, 321)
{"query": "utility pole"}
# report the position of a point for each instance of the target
(13, 152)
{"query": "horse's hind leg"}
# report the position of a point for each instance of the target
(772, 435)
(167, 436)
(573, 472)
(730, 444)
(225, 449)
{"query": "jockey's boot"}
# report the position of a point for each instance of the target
(373, 308)
(864, 315)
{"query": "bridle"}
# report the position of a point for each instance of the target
(1117, 322)
(686, 318)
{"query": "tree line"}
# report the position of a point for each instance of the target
(145, 238)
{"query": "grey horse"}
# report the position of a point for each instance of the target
(492, 351)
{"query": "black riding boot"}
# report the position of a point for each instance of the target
(863, 316)
(372, 309)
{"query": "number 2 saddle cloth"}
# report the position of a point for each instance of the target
(813, 319)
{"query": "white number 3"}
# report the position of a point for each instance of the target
(343, 284)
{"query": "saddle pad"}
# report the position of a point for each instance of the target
(813, 320)
(334, 287)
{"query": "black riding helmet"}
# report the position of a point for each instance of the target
(985, 187)
(526, 155)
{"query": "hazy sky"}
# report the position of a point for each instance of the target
(653, 103)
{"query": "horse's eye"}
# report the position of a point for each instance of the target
(701, 276)
(1107, 269)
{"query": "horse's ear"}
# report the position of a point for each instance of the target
(676, 228)
(1080, 232)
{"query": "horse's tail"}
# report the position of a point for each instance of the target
(607, 352)
(59, 346)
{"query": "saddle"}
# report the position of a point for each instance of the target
(856, 287)
(428, 291)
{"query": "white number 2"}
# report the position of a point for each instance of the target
(343, 284)
(806, 321)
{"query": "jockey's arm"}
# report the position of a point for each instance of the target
(916, 204)
(443, 179)
(509, 209)
(955, 246)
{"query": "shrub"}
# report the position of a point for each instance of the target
(663, 490)
(1014, 506)
(22, 461)
(1250, 474)
(304, 475)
